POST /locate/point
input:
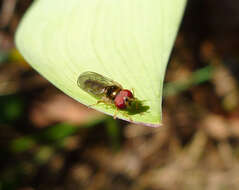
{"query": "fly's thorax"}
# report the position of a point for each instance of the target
(112, 91)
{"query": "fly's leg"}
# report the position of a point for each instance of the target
(115, 114)
(124, 114)
(132, 89)
(98, 102)
(103, 100)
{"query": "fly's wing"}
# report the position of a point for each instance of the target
(94, 83)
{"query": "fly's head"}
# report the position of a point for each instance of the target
(124, 99)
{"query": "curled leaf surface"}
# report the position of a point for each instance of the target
(128, 41)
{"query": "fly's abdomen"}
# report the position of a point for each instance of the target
(93, 87)
(98, 85)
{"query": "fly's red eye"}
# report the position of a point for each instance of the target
(120, 102)
(126, 93)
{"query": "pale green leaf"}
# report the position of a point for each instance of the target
(128, 41)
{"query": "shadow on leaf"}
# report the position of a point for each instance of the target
(137, 107)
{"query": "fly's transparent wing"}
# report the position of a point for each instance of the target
(94, 83)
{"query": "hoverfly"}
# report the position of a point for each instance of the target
(106, 90)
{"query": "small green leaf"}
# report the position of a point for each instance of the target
(57, 132)
(12, 108)
(22, 144)
(128, 41)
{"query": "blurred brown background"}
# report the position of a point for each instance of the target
(49, 141)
